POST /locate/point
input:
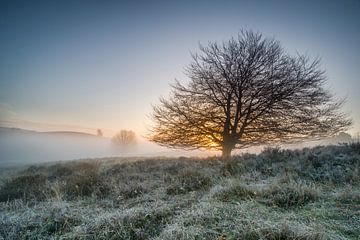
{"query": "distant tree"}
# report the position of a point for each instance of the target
(124, 138)
(99, 133)
(244, 92)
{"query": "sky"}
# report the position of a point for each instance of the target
(84, 65)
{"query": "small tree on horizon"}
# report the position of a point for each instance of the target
(99, 133)
(244, 92)
(124, 138)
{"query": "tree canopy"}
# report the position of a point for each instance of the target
(243, 92)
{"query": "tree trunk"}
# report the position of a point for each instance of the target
(226, 152)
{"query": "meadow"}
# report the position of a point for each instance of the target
(305, 194)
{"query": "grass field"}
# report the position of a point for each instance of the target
(276, 195)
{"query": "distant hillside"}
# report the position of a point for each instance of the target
(62, 133)
(70, 133)
(20, 146)
(15, 130)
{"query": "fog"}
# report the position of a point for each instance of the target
(21, 147)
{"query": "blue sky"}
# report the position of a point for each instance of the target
(82, 65)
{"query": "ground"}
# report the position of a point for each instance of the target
(310, 194)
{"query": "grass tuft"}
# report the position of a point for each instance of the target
(290, 195)
(85, 185)
(26, 187)
(235, 193)
(188, 181)
(285, 233)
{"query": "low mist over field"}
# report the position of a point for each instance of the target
(22, 147)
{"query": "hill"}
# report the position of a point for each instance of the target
(311, 193)
(5, 130)
(21, 147)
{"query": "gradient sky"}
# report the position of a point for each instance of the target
(82, 65)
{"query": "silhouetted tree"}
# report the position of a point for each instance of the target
(99, 133)
(247, 91)
(124, 138)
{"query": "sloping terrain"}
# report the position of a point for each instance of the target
(278, 194)
(19, 146)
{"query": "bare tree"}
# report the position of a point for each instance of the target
(124, 138)
(244, 92)
(99, 133)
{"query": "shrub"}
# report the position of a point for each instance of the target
(132, 192)
(328, 166)
(275, 154)
(349, 197)
(58, 223)
(239, 165)
(85, 185)
(355, 147)
(233, 167)
(290, 195)
(235, 193)
(51, 222)
(135, 226)
(24, 187)
(285, 233)
(188, 181)
(280, 233)
(116, 169)
(84, 167)
(147, 225)
(59, 171)
(249, 235)
(34, 169)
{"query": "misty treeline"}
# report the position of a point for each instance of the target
(247, 91)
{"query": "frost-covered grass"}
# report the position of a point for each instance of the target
(278, 194)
